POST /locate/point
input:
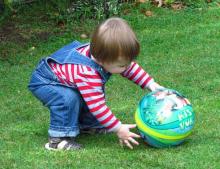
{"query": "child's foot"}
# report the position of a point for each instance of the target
(62, 143)
(94, 131)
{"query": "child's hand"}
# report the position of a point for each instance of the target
(126, 137)
(155, 86)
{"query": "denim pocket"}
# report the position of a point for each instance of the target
(45, 71)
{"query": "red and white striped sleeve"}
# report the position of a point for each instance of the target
(90, 85)
(138, 75)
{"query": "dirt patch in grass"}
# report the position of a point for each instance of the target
(20, 31)
(17, 34)
(9, 32)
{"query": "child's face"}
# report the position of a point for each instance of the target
(116, 67)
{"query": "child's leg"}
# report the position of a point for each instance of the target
(64, 103)
(65, 106)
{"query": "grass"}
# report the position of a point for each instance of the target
(180, 49)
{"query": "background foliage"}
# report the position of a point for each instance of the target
(70, 10)
(179, 48)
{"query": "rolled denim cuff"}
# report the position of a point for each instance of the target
(65, 132)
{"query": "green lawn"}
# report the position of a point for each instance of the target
(180, 49)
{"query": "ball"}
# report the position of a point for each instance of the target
(164, 118)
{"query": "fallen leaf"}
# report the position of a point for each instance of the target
(177, 6)
(148, 13)
(83, 36)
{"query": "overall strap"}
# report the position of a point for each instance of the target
(69, 54)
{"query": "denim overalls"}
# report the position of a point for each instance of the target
(68, 110)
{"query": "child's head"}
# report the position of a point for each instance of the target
(113, 41)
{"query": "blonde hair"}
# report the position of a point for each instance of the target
(113, 39)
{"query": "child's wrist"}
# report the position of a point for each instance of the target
(117, 129)
(150, 84)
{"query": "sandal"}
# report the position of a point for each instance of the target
(62, 143)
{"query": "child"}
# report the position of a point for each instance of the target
(71, 81)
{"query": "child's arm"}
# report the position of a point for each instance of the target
(140, 77)
(90, 86)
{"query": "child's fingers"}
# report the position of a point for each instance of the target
(128, 144)
(133, 141)
(131, 126)
(134, 135)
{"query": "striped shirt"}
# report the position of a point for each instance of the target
(89, 83)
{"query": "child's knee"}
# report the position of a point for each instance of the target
(72, 99)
